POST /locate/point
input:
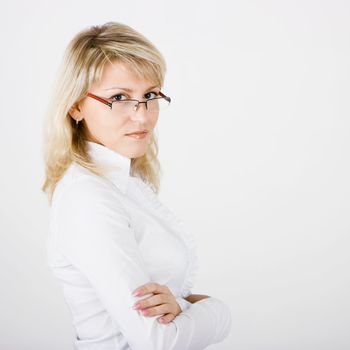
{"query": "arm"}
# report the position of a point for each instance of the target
(193, 298)
(93, 232)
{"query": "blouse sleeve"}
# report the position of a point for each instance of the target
(93, 232)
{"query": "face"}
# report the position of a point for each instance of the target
(111, 129)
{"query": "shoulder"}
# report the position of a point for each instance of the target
(79, 185)
(84, 199)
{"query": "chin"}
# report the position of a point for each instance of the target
(137, 154)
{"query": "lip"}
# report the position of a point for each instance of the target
(138, 135)
(138, 132)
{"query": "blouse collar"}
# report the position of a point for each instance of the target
(118, 164)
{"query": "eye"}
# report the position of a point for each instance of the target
(116, 97)
(148, 96)
(152, 92)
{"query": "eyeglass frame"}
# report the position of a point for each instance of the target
(108, 103)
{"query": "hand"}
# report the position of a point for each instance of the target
(163, 302)
(193, 298)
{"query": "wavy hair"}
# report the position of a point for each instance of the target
(82, 65)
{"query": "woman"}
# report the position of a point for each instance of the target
(109, 235)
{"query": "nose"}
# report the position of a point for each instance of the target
(139, 112)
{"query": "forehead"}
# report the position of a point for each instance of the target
(118, 74)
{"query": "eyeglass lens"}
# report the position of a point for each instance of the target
(153, 105)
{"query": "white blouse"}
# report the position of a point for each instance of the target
(110, 235)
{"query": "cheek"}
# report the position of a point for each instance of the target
(154, 121)
(102, 121)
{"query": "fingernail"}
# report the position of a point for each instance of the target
(136, 293)
(161, 320)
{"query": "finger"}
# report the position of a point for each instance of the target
(153, 300)
(166, 318)
(156, 288)
(145, 289)
(157, 310)
(151, 287)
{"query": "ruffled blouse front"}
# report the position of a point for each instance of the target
(177, 226)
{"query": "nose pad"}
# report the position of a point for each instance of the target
(138, 113)
(137, 105)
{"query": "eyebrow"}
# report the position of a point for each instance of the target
(127, 89)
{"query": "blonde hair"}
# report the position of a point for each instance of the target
(82, 66)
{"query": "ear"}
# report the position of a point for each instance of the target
(75, 112)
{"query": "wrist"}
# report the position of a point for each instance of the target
(183, 303)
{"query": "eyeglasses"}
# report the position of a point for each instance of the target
(153, 105)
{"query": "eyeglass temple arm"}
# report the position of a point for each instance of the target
(166, 97)
(100, 99)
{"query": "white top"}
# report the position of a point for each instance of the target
(110, 235)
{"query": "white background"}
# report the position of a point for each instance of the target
(254, 152)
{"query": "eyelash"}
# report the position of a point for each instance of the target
(114, 96)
